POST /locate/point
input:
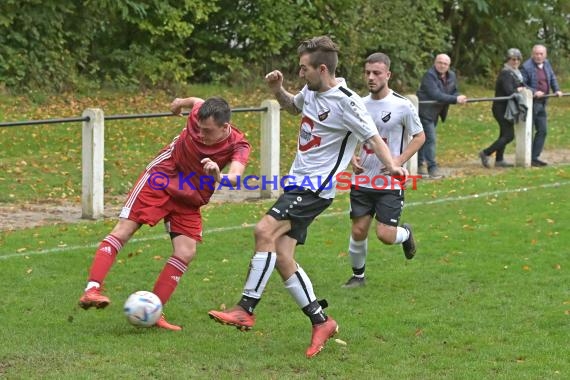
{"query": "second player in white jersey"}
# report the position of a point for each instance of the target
(374, 193)
(397, 121)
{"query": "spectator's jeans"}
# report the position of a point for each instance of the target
(539, 121)
(426, 154)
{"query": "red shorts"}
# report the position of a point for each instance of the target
(146, 205)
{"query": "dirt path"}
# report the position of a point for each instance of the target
(18, 216)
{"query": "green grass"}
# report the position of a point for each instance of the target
(486, 296)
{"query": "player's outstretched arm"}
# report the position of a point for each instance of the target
(275, 82)
(183, 103)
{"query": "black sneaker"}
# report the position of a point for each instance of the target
(409, 246)
(484, 159)
(355, 282)
(537, 163)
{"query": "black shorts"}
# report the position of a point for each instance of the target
(386, 204)
(300, 207)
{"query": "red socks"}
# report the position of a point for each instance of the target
(168, 279)
(104, 258)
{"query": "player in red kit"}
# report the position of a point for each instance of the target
(173, 187)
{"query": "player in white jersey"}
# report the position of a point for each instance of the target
(372, 191)
(333, 119)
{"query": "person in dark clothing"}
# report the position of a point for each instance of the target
(439, 83)
(508, 82)
(540, 78)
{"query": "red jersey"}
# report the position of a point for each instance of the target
(180, 161)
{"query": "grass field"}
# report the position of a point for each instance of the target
(487, 297)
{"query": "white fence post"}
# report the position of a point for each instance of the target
(270, 149)
(92, 155)
(412, 164)
(523, 134)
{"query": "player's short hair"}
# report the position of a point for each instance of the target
(322, 51)
(217, 108)
(379, 58)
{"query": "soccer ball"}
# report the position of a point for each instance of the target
(143, 308)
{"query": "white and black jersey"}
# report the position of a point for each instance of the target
(332, 124)
(397, 121)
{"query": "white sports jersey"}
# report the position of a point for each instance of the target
(332, 123)
(397, 121)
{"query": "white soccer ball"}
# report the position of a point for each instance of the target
(143, 308)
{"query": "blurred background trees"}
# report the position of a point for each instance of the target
(67, 45)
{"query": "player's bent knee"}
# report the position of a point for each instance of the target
(266, 230)
(260, 231)
(185, 255)
(386, 237)
(359, 234)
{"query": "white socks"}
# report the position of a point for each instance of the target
(357, 251)
(260, 269)
(300, 287)
(92, 284)
(402, 235)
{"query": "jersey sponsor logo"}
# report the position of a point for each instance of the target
(385, 116)
(307, 139)
(323, 114)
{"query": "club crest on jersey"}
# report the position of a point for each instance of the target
(385, 116)
(307, 139)
(323, 114)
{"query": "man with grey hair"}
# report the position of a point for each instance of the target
(440, 85)
(539, 76)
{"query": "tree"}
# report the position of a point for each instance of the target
(482, 30)
(58, 45)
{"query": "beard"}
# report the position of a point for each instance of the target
(314, 86)
(377, 89)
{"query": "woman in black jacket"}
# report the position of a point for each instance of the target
(508, 82)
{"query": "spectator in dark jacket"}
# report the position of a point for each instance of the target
(508, 82)
(540, 78)
(438, 84)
